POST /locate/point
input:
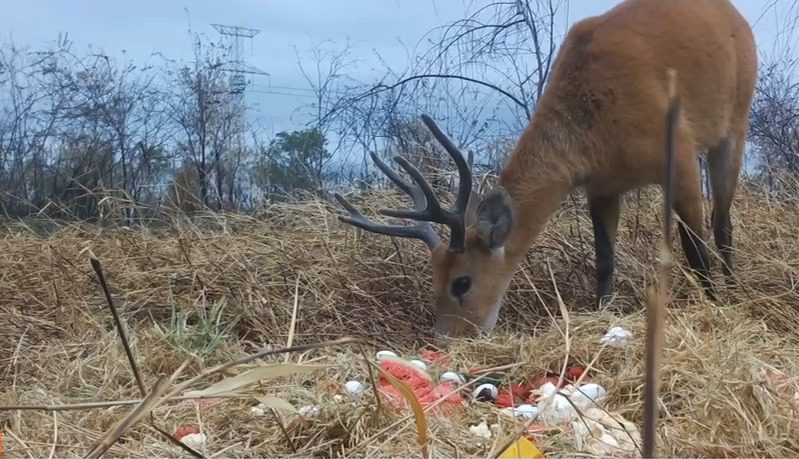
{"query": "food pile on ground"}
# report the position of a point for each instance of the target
(569, 403)
(497, 411)
(434, 386)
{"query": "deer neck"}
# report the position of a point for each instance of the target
(539, 174)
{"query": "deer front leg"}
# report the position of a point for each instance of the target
(604, 212)
(688, 205)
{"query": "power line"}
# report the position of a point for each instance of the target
(278, 93)
(303, 92)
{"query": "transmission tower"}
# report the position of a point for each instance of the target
(237, 67)
(238, 83)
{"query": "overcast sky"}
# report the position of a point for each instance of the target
(392, 28)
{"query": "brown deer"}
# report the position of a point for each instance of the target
(599, 125)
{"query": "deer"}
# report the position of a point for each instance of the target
(598, 125)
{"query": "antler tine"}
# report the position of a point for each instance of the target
(426, 206)
(420, 197)
(464, 173)
(432, 212)
(422, 231)
(457, 223)
(415, 193)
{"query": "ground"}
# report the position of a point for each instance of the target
(204, 291)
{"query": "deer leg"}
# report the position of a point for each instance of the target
(688, 205)
(604, 212)
(724, 162)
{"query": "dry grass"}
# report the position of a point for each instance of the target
(214, 288)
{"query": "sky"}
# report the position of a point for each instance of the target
(392, 28)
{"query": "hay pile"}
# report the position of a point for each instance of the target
(211, 289)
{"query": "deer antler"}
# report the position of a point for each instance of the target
(427, 208)
(422, 230)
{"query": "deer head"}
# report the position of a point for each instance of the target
(470, 273)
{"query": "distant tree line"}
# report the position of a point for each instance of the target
(78, 128)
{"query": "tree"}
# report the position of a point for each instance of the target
(294, 160)
(203, 109)
(480, 77)
(774, 116)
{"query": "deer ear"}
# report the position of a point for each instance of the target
(494, 218)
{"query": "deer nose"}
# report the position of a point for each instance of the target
(441, 340)
(442, 332)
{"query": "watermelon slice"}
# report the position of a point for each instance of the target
(418, 380)
(513, 395)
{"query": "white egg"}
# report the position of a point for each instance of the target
(480, 430)
(420, 364)
(526, 411)
(589, 395)
(508, 411)
(557, 409)
(194, 440)
(560, 398)
(616, 336)
(563, 405)
(355, 388)
(383, 354)
(308, 410)
(548, 389)
(486, 390)
(452, 376)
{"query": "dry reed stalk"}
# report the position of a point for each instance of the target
(142, 409)
(123, 336)
(111, 403)
(657, 302)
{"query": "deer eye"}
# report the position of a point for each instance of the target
(461, 285)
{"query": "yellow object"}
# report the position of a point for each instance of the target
(521, 448)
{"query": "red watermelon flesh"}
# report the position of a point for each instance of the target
(418, 381)
(514, 395)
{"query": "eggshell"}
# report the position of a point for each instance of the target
(355, 388)
(419, 364)
(589, 395)
(451, 376)
(194, 440)
(309, 410)
(382, 354)
(526, 411)
(485, 392)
